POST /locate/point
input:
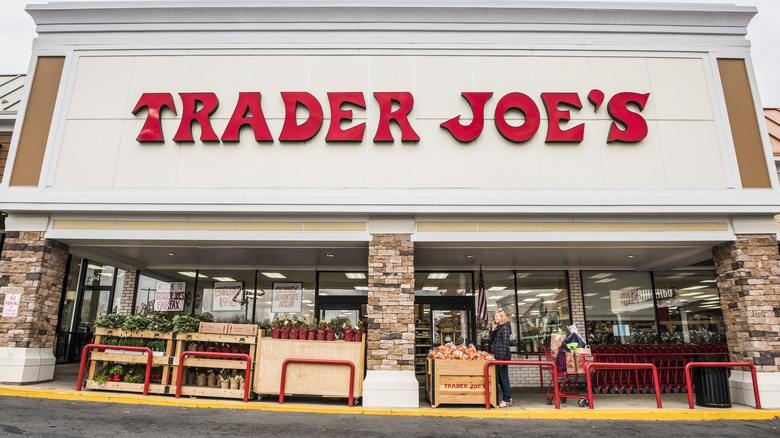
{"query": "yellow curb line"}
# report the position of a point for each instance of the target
(636, 415)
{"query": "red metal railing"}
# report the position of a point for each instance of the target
(116, 347)
(318, 361)
(720, 364)
(245, 356)
(520, 362)
(622, 366)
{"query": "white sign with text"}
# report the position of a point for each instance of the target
(169, 297)
(287, 298)
(227, 295)
(11, 305)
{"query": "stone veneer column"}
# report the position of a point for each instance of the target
(577, 310)
(749, 285)
(35, 268)
(128, 291)
(390, 380)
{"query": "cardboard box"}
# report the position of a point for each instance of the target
(220, 328)
(243, 329)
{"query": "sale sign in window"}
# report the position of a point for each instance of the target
(227, 296)
(287, 297)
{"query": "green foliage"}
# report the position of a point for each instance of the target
(117, 369)
(135, 323)
(101, 377)
(110, 320)
(157, 345)
(159, 323)
(185, 323)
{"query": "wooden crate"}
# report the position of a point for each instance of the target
(308, 379)
(458, 382)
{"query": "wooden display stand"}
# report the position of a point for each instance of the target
(175, 345)
(458, 382)
(309, 379)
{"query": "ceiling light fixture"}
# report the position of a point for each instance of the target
(330, 255)
(632, 256)
(435, 276)
(470, 256)
(224, 278)
(170, 254)
(355, 275)
(497, 288)
(273, 275)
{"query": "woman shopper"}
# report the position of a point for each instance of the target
(499, 336)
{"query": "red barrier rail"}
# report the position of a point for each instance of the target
(521, 362)
(622, 366)
(116, 347)
(720, 364)
(319, 361)
(247, 383)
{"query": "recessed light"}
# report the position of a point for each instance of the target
(470, 256)
(632, 256)
(531, 299)
(192, 274)
(602, 275)
(355, 275)
(356, 288)
(224, 278)
(544, 295)
(591, 294)
(437, 276)
(549, 302)
(430, 288)
(330, 255)
(170, 254)
(695, 287)
(709, 281)
(273, 275)
(606, 280)
(497, 288)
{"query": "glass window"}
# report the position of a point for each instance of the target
(266, 280)
(343, 283)
(543, 306)
(444, 283)
(222, 295)
(120, 283)
(500, 294)
(69, 300)
(165, 280)
(619, 307)
(689, 307)
(98, 274)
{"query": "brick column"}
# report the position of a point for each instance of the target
(390, 309)
(128, 290)
(390, 379)
(749, 286)
(35, 268)
(577, 306)
(748, 271)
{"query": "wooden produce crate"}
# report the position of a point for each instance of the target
(309, 379)
(458, 382)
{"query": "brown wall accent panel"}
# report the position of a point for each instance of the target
(5, 143)
(37, 121)
(744, 124)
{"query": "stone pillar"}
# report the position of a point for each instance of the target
(390, 379)
(747, 271)
(128, 291)
(577, 310)
(35, 268)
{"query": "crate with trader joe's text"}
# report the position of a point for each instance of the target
(458, 382)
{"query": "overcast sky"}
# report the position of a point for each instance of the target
(17, 31)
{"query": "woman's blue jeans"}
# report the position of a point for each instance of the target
(503, 382)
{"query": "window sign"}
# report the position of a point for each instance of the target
(227, 296)
(287, 297)
(169, 297)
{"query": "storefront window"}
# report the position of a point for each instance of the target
(120, 283)
(98, 275)
(443, 284)
(223, 295)
(689, 307)
(619, 307)
(343, 283)
(500, 294)
(543, 307)
(168, 283)
(297, 283)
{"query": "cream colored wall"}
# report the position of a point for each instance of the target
(98, 147)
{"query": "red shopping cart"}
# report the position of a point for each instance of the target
(567, 387)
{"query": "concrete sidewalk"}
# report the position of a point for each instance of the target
(528, 403)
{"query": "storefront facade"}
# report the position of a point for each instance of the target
(607, 166)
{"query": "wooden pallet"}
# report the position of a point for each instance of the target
(458, 382)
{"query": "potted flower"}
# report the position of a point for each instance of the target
(321, 326)
(294, 328)
(276, 330)
(347, 330)
(312, 330)
(357, 334)
(116, 373)
(285, 328)
(224, 379)
(330, 330)
(303, 331)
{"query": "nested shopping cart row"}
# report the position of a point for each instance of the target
(669, 359)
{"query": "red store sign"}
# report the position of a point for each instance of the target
(627, 126)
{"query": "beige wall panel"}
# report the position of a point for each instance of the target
(209, 226)
(100, 88)
(159, 74)
(634, 226)
(617, 75)
(691, 155)
(505, 165)
(267, 164)
(389, 165)
(145, 225)
(334, 226)
(271, 226)
(509, 226)
(680, 89)
(501, 75)
(60, 224)
(567, 165)
(88, 153)
(225, 76)
(150, 165)
(334, 165)
(632, 165)
(559, 74)
(572, 226)
(208, 164)
(339, 74)
(446, 226)
(443, 163)
(697, 226)
(273, 74)
(439, 80)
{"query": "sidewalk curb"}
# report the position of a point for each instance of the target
(587, 414)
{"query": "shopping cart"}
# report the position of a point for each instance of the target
(567, 387)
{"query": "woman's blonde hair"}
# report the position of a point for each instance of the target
(504, 318)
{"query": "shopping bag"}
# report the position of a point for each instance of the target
(560, 363)
(585, 357)
(571, 362)
(556, 342)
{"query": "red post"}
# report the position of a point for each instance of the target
(690, 365)
(319, 361)
(247, 383)
(116, 347)
(622, 366)
(521, 362)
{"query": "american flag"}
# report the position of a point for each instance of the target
(481, 298)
